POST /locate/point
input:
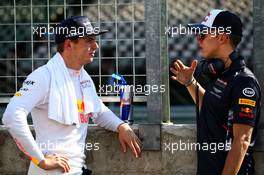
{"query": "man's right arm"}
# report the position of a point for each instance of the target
(192, 90)
(33, 92)
(184, 75)
(15, 115)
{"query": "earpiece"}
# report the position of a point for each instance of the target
(234, 56)
(216, 66)
(213, 66)
(209, 69)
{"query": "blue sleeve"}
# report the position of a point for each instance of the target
(246, 100)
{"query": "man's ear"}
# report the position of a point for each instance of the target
(223, 38)
(67, 44)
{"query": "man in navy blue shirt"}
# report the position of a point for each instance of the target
(230, 104)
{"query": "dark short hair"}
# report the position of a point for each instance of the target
(235, 40)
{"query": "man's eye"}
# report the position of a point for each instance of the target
(90, 39)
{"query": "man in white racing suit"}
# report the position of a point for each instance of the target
(61, 97)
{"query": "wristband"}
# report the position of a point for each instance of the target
(189, 82)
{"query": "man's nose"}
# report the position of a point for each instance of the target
(95, 45)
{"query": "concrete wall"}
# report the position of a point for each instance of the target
(111, 161)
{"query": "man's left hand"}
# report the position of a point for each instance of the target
(128, 138)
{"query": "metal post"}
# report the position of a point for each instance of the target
(258, 23)
(164, 63)
(157, 73)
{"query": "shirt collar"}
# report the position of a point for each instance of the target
(235, 65)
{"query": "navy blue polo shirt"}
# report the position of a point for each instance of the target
(232, 98)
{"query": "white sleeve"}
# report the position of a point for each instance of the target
(32, 92)
(107, 119)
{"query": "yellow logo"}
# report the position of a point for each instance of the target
(80, 105)
(244, 101)
(18, 94)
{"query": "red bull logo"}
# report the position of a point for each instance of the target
(84, 118)
(80, 105)
(246, 115)
(246, 110)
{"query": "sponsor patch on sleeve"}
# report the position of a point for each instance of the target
(248, 92)
(241, 114)
(244, 101)
(18, 94)
(246, 110)
(29, 82)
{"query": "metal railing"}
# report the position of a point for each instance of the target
(136, 46)
(121, 50)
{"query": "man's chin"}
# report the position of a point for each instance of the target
(88, 60)
(205, 56)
